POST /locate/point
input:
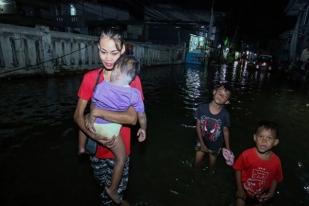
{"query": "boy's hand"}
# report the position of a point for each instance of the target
(204, 148)
(89, 122)
(141, 133)
(240, 193)
(264, 197)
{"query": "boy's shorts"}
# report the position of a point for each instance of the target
(253, 200)
(213, 152)
(249, 200)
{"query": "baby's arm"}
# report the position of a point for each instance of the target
(126, 117)
(226, 134)
(199, 136)
(142, 119)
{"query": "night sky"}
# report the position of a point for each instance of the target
(252, 20)
(247, 20)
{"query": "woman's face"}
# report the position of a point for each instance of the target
(108, 52)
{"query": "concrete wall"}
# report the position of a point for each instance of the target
(300, 33)
(25, 50)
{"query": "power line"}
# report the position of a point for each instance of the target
(40, 63)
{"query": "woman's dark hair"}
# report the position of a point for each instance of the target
(114, 35)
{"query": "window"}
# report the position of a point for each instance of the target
(72, 10)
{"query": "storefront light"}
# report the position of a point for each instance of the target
(3, 3)
(7, 6)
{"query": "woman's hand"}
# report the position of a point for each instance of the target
(93, 110)
(107, 142)
(141, 133)
(89, 122)
(204, 148)
(126, 117)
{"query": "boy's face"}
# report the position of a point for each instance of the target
(221, 95)
(265, 139)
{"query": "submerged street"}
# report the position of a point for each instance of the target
(38, 138)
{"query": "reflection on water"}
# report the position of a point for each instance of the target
(26, 104)
(192, 91)
(172, 94)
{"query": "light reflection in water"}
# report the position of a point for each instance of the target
(192, 92)
(234, 72)
(223, 73)
(193, 84)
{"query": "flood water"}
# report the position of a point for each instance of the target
(38, 139)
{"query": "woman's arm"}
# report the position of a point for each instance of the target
(79, 118)
(126, 117)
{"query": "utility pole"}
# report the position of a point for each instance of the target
(294, 40)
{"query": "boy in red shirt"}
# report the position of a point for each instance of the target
(258, 169)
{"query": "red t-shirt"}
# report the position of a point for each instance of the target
(85, 92)
(257, 174)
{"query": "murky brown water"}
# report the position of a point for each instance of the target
(39, 165)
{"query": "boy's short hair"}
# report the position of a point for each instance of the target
(268, 125)
(226, 86)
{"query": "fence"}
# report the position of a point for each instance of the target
(26, 50)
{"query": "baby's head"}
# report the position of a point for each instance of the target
(266, 136)
(125, 69)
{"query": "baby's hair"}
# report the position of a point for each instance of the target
(128, 64)
(267, 125)
(114, 35)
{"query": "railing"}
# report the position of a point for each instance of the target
(25, 50)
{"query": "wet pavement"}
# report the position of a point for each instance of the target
(38, 139)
